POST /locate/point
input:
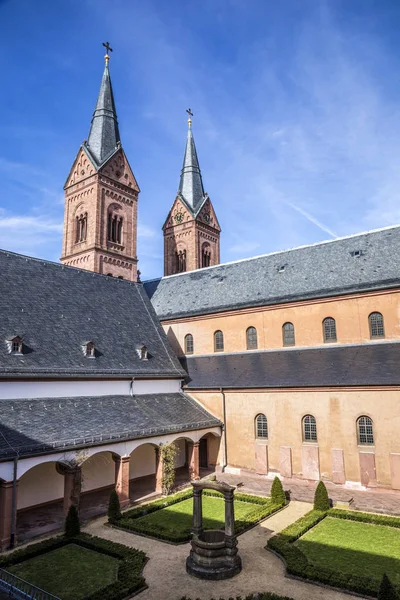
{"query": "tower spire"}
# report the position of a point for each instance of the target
(191, 183)
(104, 136)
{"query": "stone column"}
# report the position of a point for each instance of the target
(159, 471)
(6, 515)
(229, 514)
(72, 487)
(194, 464)
(122, 479)
(197, 511)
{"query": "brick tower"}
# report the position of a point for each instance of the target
(191, 231)
(101, 194)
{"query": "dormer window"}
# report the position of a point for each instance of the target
(142, 352)
(89, 349)
(15, 345)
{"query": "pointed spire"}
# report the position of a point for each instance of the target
(104, 133)
(191, 183)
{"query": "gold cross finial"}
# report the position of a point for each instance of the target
(108, 49)
(189, 112)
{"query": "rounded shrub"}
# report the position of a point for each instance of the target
(321, 498)
(386, 589)
(277, 492)
(72, 524)
(114, 508)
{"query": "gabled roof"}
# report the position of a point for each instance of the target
(362, 262)
(55, 307)
(340, 366)
(42, 425)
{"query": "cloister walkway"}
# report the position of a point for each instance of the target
(262, 571)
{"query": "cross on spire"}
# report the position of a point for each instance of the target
(108, 49)
(189, 112)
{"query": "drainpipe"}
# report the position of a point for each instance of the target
(131, 386)
(225, 459)
(14, 504)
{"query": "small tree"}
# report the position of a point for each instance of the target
(72, 525)
(114, 508)
(387, 590)
(321, 498)
(277, 492)
(168, 453)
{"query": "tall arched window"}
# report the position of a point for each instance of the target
(114, 228)
(288, 334)
(80, 227)
(376, 328)
(189, 347)
(309, 429)
(365, 432)
(261, 427)
(251, 338)
(218, 341)
(329, 329)
(206, 255)
(180, 261)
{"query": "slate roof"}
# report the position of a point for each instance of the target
(365, 364)
(191, 184)
(43, 425)
(56, 308)
(362, 262)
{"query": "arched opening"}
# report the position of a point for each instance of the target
(206, 255)
(142, 471)
(209, 453)
(98, 479)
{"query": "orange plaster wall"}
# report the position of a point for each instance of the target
(351, 316)
(336, 413)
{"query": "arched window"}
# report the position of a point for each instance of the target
(376, 328)
(365, 432)
(261, 427)
(288, 334)
(180, 261)
(309, 429)
(218, 341)
(189, 347)
(206, 255)
(114, 228)
(329, 329)
(251, 337)
(80, 227)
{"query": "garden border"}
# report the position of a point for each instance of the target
(298, 567)
(130, 580)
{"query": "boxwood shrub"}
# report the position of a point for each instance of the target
(130, 579)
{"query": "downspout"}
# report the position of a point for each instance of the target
(131, 386)
(14, 504)
(225, 458)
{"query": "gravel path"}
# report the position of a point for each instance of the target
(262, 571)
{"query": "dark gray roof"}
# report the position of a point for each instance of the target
(191, 184)
(362, 262)
(42, 425)
(104, 135)
(364, 364)
(56, 309)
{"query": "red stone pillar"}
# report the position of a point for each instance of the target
(122, 479)
(194, 464)
(6, 515)
(72, 487)
(159, 471)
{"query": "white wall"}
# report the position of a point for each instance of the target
(98, 471)
(40, 484)
(143, 461)
(180, 457)
(61, 389)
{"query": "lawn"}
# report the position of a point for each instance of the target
(354, 548)
(70, 572)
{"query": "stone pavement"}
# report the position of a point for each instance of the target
(262, 571)
(370, 500)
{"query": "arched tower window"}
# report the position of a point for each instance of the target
(80, 227)
(309, 429)
(114, 227)
(329, 329)
(180, 261)
(376, 327)
(261, 427)
(288, 334)
(365, 431)
(189, 346)
(206, 255)
(218, 341)
(251, 338)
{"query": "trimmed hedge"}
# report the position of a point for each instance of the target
(277, 492)
(297, 563)
(130, 578)
(263, 508)
(321, 498)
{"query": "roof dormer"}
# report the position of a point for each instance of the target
(89, 349)
(142, 353)
(15, 345)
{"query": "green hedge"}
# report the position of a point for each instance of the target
(297, 563)
(130, 577)
(263, 508)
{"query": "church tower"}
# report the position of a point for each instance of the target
(101, 195)
(191, 231)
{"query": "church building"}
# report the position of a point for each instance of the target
(284, 364)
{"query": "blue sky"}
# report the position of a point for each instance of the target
(296, 114)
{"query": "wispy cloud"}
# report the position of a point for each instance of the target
(312, 219)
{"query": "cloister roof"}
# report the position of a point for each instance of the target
(45, 425)
(363, 262)
(371, 364)
(55, 309)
